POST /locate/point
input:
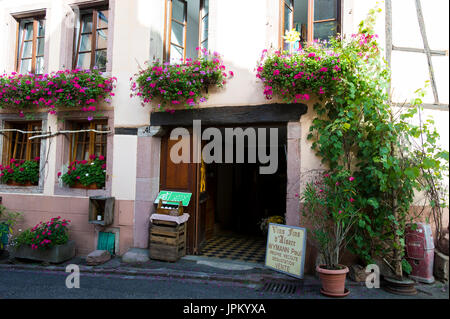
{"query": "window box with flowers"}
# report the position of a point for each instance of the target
(20, 173)
(86, 174)
(48, 242)
(78, 89)
(172, 85)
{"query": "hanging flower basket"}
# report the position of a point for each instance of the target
(170, 85)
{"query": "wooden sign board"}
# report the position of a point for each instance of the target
(286, 249)
(185, 198)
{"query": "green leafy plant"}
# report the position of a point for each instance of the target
(356, 129)
(86, 172)
(44, 235)
(21, 171)
(332, 205)
(7, 221)
(185, 83)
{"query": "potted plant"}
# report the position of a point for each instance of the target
(7, 221)
(264, 223)
(47, 242)
(20, 173)
(76, 89)
(170, 85)
(331, 204)
(86, 174)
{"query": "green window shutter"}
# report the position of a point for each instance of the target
(106, 241)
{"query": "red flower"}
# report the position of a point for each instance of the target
(78, 177)
(101, 157)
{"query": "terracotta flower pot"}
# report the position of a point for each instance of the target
(333, 281)
(14, 183)
(79, 185)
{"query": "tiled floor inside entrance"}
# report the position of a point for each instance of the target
(235, 247)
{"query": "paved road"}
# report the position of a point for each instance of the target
(18, 284)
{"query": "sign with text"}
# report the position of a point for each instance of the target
(286, 248)
(174, 197)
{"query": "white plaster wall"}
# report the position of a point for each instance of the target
(131, 49)
(124, 170)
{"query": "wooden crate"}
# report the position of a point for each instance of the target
(167, 240)
(176, 208)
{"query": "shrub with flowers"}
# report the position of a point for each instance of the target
(332, 205)
(44, 235)
(20, 171)
(86, 172)
(82, 89)
(169, 85)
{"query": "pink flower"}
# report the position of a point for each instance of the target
(351, 200)
(101, 157)
(340, 212)
(351, 179)
(276, 72)
(78, 177)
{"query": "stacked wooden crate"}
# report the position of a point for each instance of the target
(167, 240)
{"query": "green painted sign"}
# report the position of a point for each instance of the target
(185, 198)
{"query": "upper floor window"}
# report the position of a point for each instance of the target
(31, 43)
(92, 39)
(313, 19)
(186, 29)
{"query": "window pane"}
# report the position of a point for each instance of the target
(205, 6)
(25, 66)
(325, 9)
(84, 60)
(287, 19)
(86, 23)
(40, 46)
(176, 53)
(177, 33)
(28, 31)
(102, 19)
(100, 59)
(41, 28)
(40, 65)
(205, 44)
(85, 44)
(178, 10)
(102, 39)
(205, 25)
(27, 49)
(324, 30)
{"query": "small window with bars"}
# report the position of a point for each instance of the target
(84, 144)
(16, 142)
(31, 45)
(92, 39)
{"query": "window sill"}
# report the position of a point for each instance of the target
(81, 192)
(21, 189)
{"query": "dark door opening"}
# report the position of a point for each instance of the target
(238, 196)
